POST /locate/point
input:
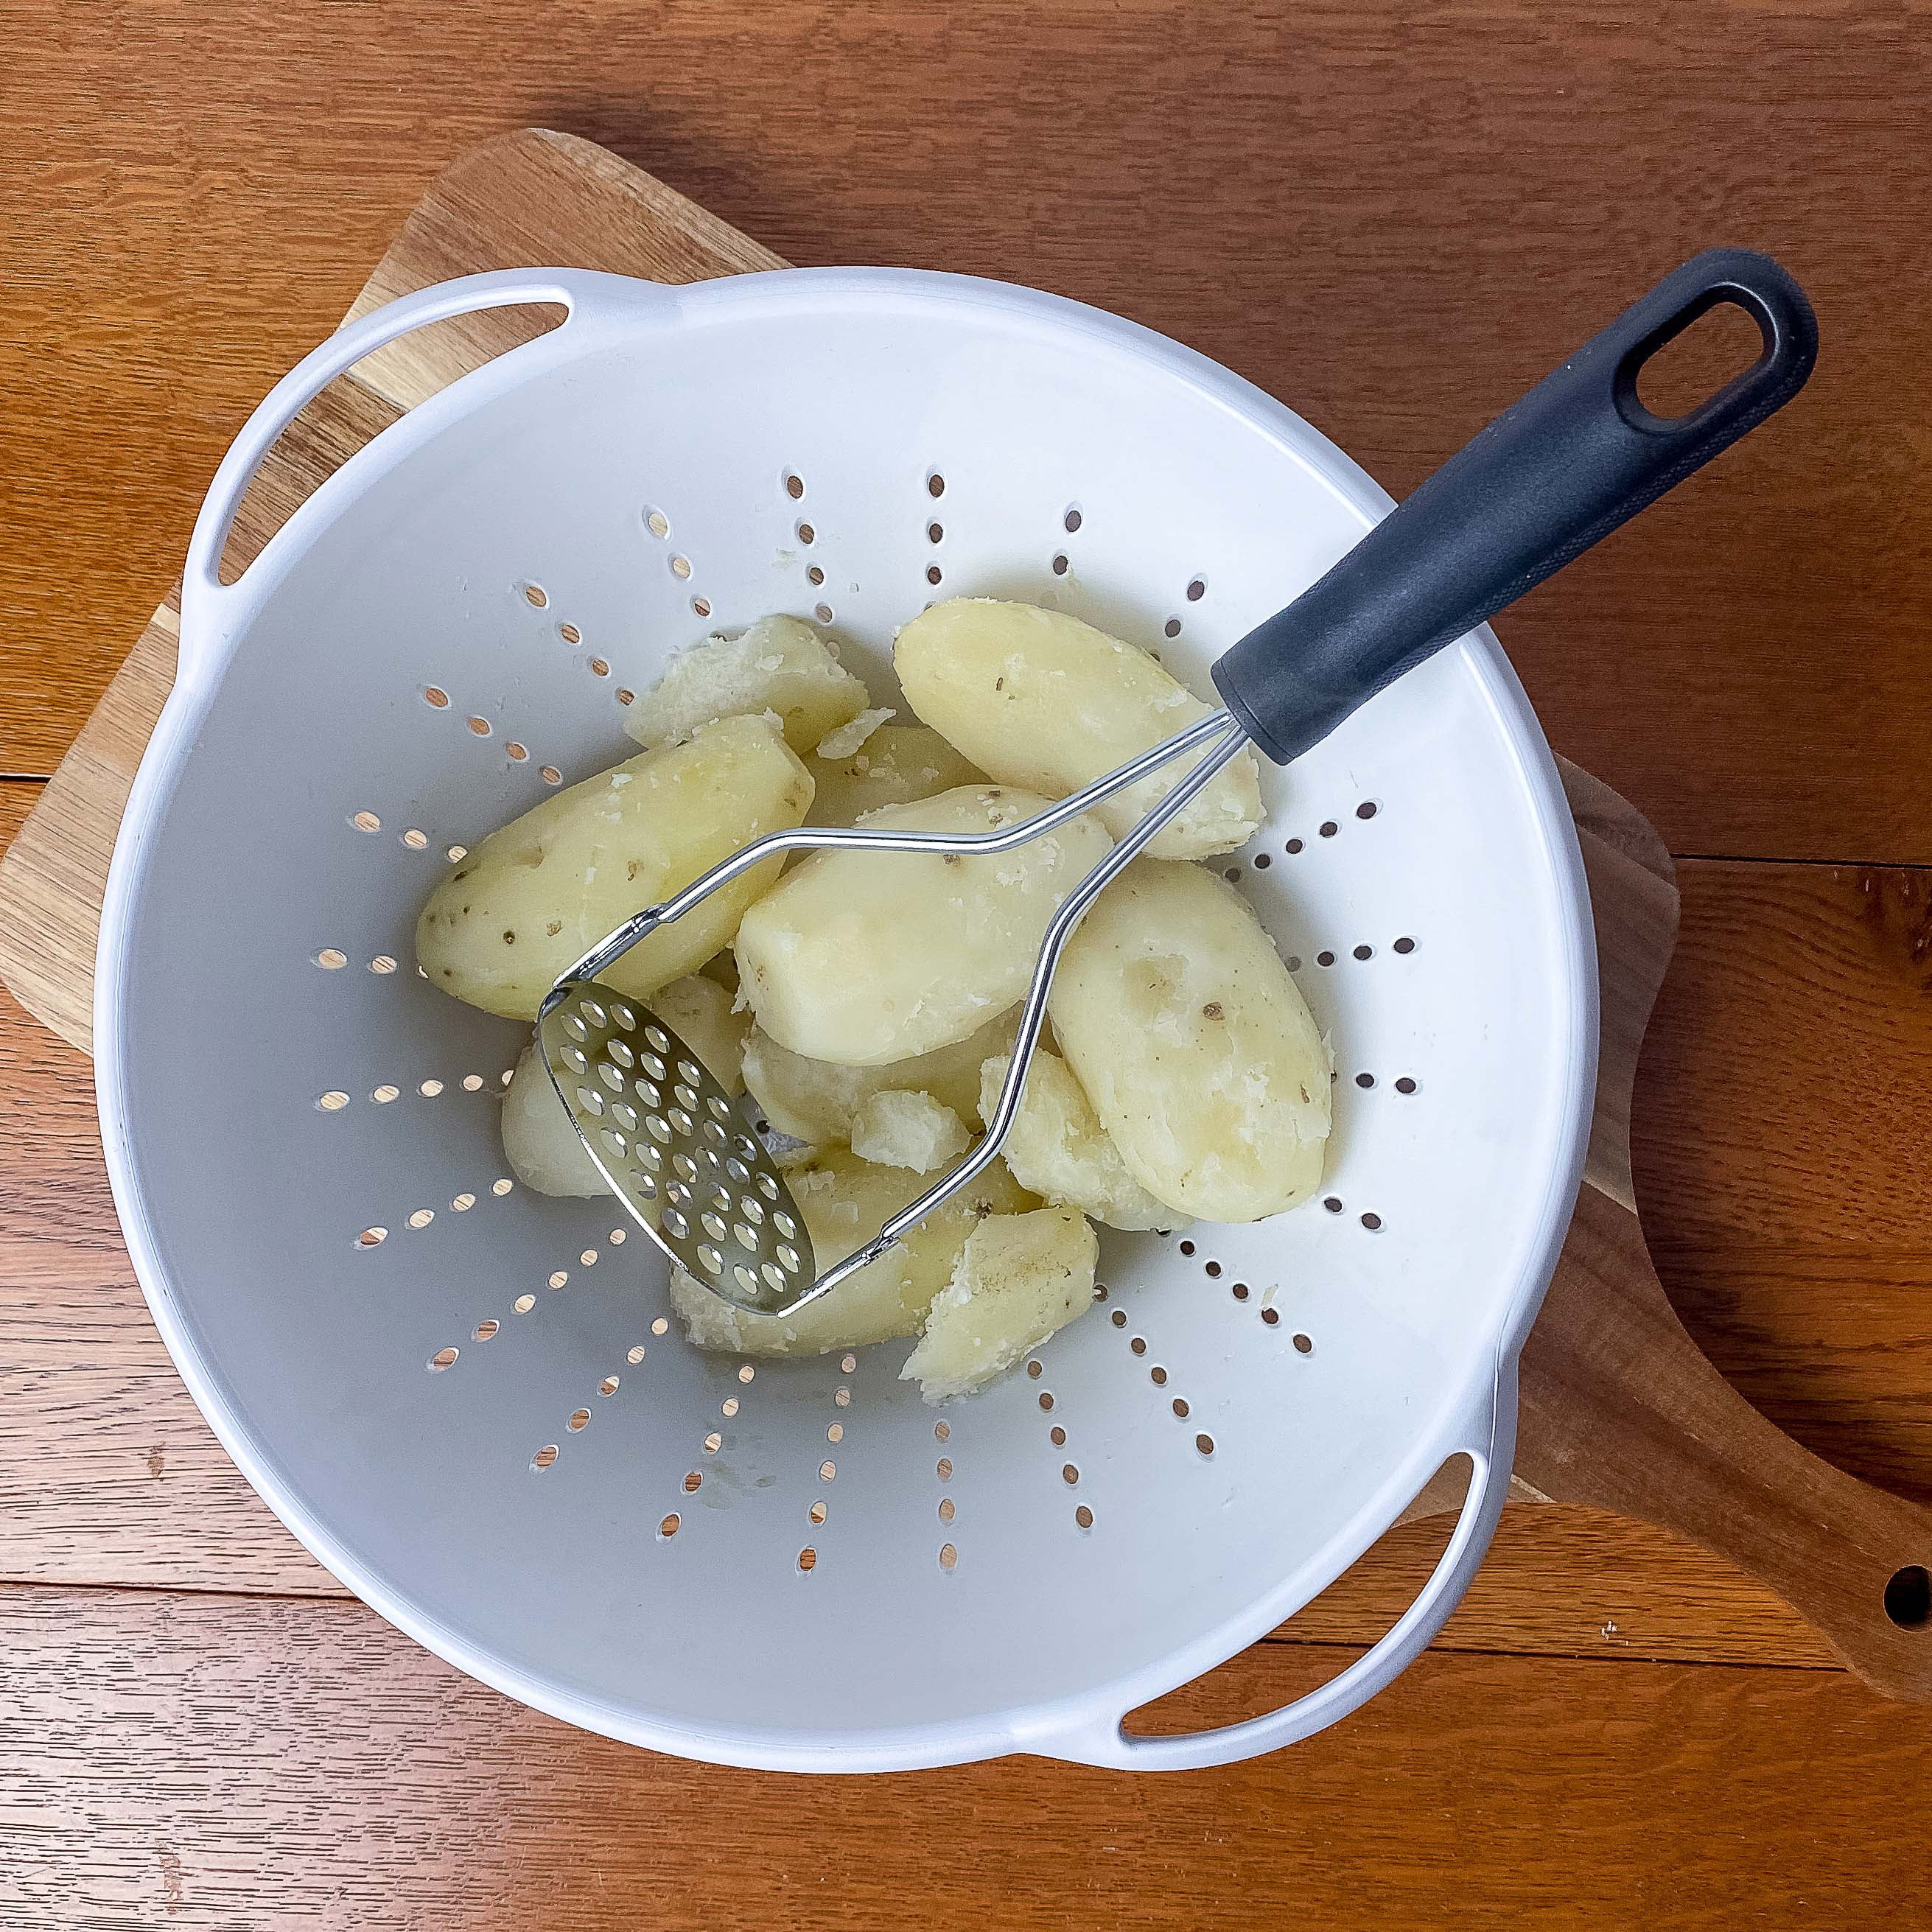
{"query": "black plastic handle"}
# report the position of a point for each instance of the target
(1578, 456)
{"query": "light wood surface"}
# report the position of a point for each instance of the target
(1392, 219)
(1612, 1350)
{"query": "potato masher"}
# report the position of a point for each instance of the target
(1578, 456)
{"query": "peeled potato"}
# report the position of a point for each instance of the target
(698, 1010)
(865, 957)
(1195, 1045)
(911, 1130)
(1037, 698)
(539, 1141)
(536, 896)
(1020, 1278)
(896, 764)
(1058, 1149)
(780, 664)
(845, 1201)
(815, 1100)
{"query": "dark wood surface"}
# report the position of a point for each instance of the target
(1392, 218)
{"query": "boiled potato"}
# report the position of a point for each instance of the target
(780, 664)
(1039, 699)
(912, 1130)
(896, 764)
(815, 1100)
(1020, 1278)
(536, 896)
(868, 957)
(699, 1010)
(539, 1141)
(1195, 1045)
(845, 741)
(1058, 1147)
(845, 1201)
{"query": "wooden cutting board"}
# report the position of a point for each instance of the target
(1620, 1410)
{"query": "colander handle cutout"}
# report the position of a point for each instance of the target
(1578, 456)
(206, 601)
(1489, 1441)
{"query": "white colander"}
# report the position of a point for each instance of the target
(469, 1401)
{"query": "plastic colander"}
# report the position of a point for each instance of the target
(470, 1402)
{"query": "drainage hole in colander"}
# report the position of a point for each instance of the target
(1240, 1290)
(524, 1303)
(1197, 590)
(1073, 520)
(332, 959)
(1367, 809)
(713, 1443)
(1180, 1407)
(1139, 1344)
(1171, 628)
(1060, 564)
(598, 667)
(422, 1217)
(835, 1433)
(381, 964)
(1365, 953)
(1329, 828)
(1056, 1436)
(551, 776)
(486, 1330)
(1046, 1401)
(1293, 847)
(935, 484)
(558, 1279)
(949, 1557)
(608, 1386)
(1158, 1376)
(841, 1398)
(1118, 1318)
(502, 1186)
(333, 1102)
(1213, 1269)
(456, 852)
(1271, 1316)
(657, 522)
(1405, 946)
(728, 1407)
(814, 575)
(440, 1360)
(1332, 1203)
(816, 1513)
(545, 1456)
(462, 1203)
(943, 1469)
(1365, 1080)
(942, 1432)
(1324, 958)
(634, 1353)
(828, 1471)
(807, 1560)
(1069, 1474)
(481, 726)
(436, 696)
(625, 697)
(823, 612)
(1372, 1222)
(806, 534)
(536, 596)
(384, 1094)
(935, 533)
(933, 574)
(668, 1527)
(701, 606)
(518, 753)
(1304, 1345)
(416, 839)
(1084, 1516)
(1205, 1443)
(794, 484)
(660, 1326)
(589, 1257)
(571, 635)
(366, 821)
(1406, 1085)
(1261, 862)
(693, 1482)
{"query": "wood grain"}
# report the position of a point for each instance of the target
(196, 1761)
(1393, 217)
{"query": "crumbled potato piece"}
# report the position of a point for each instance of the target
(893, 1128)
(845, 742)
(780, 664)
(539, 1141)
(1020, 1278)
(534, 897)
(896, 764)
(845, 1201)
(1058, 1148)
(866, 957)
(1037, 698)
(1194, 1044)
(699, 1011)
(814, 1100)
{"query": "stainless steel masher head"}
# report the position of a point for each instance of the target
(1574, 459)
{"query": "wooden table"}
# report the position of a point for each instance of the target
(1393, 217)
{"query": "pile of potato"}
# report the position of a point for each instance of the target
(868, 1001)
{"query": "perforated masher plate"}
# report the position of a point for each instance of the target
(678, 1150)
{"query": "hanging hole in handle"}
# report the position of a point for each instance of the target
(1908, 1597)
(1322, 1639)
(1719, 342)
(359, 404)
